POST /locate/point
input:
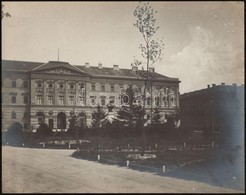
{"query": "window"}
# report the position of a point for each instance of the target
(93, 87)
(13, 99)
(112, 88)
(103, 100)
(112, 99)
(165, 101)
(71, 100)
(39, 85)
(71, 86)
(139, 89)
(50, 85)
(25, 99)
(102, 87)
(25, 84)
(14, 83)
(61, 100)
(50, 100)
(13, 115)
(39, 99)
(93, 100)
(157, 101)
(61, 86)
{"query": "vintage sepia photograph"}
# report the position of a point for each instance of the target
(123, 97)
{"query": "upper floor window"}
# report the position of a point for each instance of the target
(71, 86)
(93, 87)
(112, 99)
(61, 100)
(25, 84)
(13, 99)
(112, 88)
(93, 100)
(39, 99)
(14, 83)
(71, 100)
(103, 100)
(50, 86)
(50, 100)
(13, 115)
(102, 87)
(25, 99)
(157, 101)
(61, 86)
(148, 101)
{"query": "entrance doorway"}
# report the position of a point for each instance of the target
(51, 123)
(61, 120)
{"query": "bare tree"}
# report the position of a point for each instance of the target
(152, 49)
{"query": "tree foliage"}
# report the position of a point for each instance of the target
(131, 112)
(97, 116)
(44, 130)
(152, 49)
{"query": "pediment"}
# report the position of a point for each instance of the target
(61, 68)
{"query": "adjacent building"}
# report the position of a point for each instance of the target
(49, 92)
(215, 109)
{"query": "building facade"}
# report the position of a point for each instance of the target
(33, 92)
(216, 109)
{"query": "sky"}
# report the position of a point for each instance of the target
(204, 41)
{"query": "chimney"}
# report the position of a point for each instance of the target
(116, 67)
(151, 69)
(213, 85)
(87, 65)
(134, 68)
(208, 86)
(100, 65)
(234, 84)
(222, 84)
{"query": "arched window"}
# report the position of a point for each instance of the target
(13, 115)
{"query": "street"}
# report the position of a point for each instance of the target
(55, 171)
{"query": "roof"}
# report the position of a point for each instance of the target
(213, 91)
(92, 70)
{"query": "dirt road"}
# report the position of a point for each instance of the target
(47, 171)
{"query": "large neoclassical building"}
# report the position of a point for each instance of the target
(49, 92)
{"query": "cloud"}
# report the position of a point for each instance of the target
(206, 60)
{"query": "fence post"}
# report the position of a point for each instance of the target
(98, 157)
(163, 169)
(127, 163)
(69, 146)
(43, 145)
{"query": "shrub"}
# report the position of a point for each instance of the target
(44, 130)
(15, 134)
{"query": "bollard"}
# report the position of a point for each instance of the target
(127, 163)
(156, 146)
(77, 149)
(23, 144)
(7, 143)
(163, 169)
(69, 146)
(98, 157)
(43, 145)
